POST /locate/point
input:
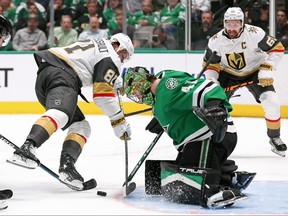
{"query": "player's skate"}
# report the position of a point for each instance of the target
(241, 180)
(68, 173)
(25, 156)
(277, 146)
(225, 197)
(4, 195)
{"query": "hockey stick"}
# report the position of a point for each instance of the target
(90, 184)
(137, 112)
(128, 186)
(142, 159)
(206, 65)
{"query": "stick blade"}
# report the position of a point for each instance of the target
(129, 189)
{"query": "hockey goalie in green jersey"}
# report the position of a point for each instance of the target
(195, 114)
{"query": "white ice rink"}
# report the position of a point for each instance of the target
(38, 193)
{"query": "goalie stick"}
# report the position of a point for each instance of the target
(90, 184)
(132, 185)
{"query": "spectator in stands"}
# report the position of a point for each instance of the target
(144, 17)
(198, 6)
(259, 15)
(22, 10)
(64, 34)
(93, 32)
(144, 21)
(119, 20)
(82, 23)
(282, 27)
(109, 14)
(134, 6)
(80, 7)
(158, 5)
(30, 38)
(44, 3)
(60, 9)
(162, 40)
(171, 16)
(201, 35)
(32, 10)
(9, 10)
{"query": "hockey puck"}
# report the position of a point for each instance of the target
(101, 193)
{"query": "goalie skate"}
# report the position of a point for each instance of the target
(225, 198)
(25, 156)
(277, 146)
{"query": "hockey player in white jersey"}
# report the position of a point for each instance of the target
(5, 35)
(247, 56)
(62, 72)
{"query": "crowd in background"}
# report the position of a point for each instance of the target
(151, 24)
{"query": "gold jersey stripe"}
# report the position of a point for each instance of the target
(77, 138)
(63, 58)
(46, 124)
(101, 87)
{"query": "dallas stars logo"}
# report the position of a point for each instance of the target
(171, 83)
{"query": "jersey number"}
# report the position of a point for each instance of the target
(79, 46)
(110, 77)
(270, 41)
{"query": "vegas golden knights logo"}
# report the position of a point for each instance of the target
(236, 60)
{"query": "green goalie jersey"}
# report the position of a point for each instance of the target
(176, 95)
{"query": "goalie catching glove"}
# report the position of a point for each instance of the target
(214, 114)
(120, 126)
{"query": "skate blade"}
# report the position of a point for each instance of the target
(227, 203)
(280, 153)
(3, 204)
(28, 164)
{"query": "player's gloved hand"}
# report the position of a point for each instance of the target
(154, 126)
(118, 85)
(120, 126)
(265, 78)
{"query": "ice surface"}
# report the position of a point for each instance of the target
(38, 193)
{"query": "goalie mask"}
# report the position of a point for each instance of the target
(5, 31)
(137, 85)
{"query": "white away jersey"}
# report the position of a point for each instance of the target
(243, 55)
(83, 56)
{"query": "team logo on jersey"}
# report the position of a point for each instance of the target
(236, 60)
(171, 83)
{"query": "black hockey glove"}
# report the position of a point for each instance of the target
(154, 126)
(214, 114)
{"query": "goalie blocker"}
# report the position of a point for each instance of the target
(187, 185)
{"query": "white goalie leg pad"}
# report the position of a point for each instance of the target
(271, 105)
(82, 127)
(58, 116)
